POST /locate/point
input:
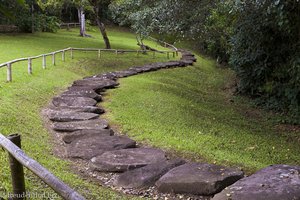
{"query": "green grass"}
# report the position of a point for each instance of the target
(189, 112)
(22, 100)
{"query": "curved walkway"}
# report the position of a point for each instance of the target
(87, 137)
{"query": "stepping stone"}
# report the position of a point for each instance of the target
(277, 182)
(109, 75)
(82, 93)
(73, 101)
(70, 137)
(187, 62)
(192, 58)
(89, 146)
(87, 109)
(125, 73)
(198, 179)
(72, 116)
(96, 84)
(96, 124)
(126, 159)
(146, 176)
(136, 69)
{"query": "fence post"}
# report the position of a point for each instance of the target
(99, 53)
(63, 55)
(29, 66)
(9, 74)
(72, 53)
(44, 62)
(116, 52)
(173, 54)
(17, 172)
(53, 58)
(168, 55)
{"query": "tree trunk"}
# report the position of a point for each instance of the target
(100, 24)
(81, 18)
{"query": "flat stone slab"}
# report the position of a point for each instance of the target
(108, 75)
(73, 101)
(96, 124)
(198, 179)
(96, 84)
(187, 62)
(70, 137)
(82, 93)
(146, 176)
(277, 182)
(88, 109)
(126, 159)
(72, 116)
(125, 73)
(89, 146)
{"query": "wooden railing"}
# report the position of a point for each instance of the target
(18, 159)
(9, 64)
(69, 25)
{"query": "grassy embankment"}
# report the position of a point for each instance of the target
(189, 111)
(22, 100)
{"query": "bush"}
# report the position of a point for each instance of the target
(265, 53)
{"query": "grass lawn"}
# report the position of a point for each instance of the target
(22, 100)
(189, 111)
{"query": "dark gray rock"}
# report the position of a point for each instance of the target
(97, 124)
(89, 146)
(72, 116)
(73, 101)
(105, 83)
(146, 176)
(126, 159)
(125, 73)
(87, 109)
(192, 58)
(82, 93)
(70, 137)
(109, 75)
(278, 182)
(198, 179)
(136, 69)
(97, 85)
(187, 62)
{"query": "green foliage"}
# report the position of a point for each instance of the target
(259, 38)
(265, 53)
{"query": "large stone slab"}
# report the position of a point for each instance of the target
(97, 124)
(146, 176)
(73, 101)
(82, 93)
(88, 109)
(278, 182)
(126, 159)
(125, 73)
(72, 116)
(187, 62)
(198, 179)
(97, 84)
(70, 137)
(89, 146)
(108, 75)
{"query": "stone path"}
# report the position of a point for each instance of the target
(88, 137)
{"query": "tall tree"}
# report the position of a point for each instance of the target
(96, 8)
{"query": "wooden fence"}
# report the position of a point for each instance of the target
(63, 52)
(18, 159)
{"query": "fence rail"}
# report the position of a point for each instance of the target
(8, 64)
(18, 159)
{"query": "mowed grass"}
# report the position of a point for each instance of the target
(189, 111)
(22, 100)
